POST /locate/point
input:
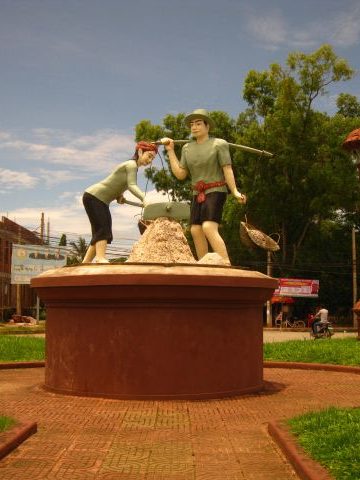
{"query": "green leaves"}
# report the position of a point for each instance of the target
(310, 177)
(348, 105)
(78, 251)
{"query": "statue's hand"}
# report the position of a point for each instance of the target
(121, 199)
(240, 197)
(168, 143)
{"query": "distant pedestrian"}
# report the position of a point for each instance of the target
(279, 319)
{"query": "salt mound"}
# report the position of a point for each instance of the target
(162, 242)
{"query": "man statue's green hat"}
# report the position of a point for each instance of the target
(201, 114)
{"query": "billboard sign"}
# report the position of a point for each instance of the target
(27, 261)
(298, 287)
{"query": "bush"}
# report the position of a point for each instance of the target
(7, 313)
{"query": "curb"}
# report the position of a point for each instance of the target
(13, 437)
(313, 366)
(304, 466)
(343, 329)
(4, 366)
(267, 364)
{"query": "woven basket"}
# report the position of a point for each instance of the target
(244, 236)
(251, 237)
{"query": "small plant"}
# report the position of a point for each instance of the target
(6, 423)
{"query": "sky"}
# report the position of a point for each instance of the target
(78, 75)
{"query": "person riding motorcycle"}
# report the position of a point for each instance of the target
(322, 316)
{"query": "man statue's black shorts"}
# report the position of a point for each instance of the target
(210, 210)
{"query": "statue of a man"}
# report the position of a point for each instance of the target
(208, 163)
(98, 197)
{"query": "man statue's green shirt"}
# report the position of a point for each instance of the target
(205, 161)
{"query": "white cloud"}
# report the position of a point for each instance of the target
(98, 152)
(16, 180)
(345, 28)
(66, 195)
(270, 29)
(339, 28)
(4, 136)
(54, 177)
(11, 179)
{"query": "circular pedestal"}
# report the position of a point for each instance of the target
(154, 331)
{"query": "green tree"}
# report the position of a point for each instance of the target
(348, 105)
(63, 240)
(78, 251)
(310, 178)
(327, 256)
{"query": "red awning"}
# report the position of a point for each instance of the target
(352, 141)
(280, 299)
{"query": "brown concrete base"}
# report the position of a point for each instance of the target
(146, 331)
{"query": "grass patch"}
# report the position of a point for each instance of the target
(21, 349)
(6, 423)
(332, 438)
(342, 351)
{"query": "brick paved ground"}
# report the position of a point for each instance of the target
(88, 438)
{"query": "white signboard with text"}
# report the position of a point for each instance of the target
(27, 261)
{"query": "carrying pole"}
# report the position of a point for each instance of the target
(234, 145)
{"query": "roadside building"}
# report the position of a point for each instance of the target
(13, 233)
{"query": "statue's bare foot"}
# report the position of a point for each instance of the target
(101, 260)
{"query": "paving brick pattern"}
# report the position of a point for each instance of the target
(89, 438)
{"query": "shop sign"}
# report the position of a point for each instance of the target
(298, 287)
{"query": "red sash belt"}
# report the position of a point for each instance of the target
(201, 187)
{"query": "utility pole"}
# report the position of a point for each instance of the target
(48, 232)
(354, 274)
(268, 303)
(42, 228)
(18, 286)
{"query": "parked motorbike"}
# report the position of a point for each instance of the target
(325, 330)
